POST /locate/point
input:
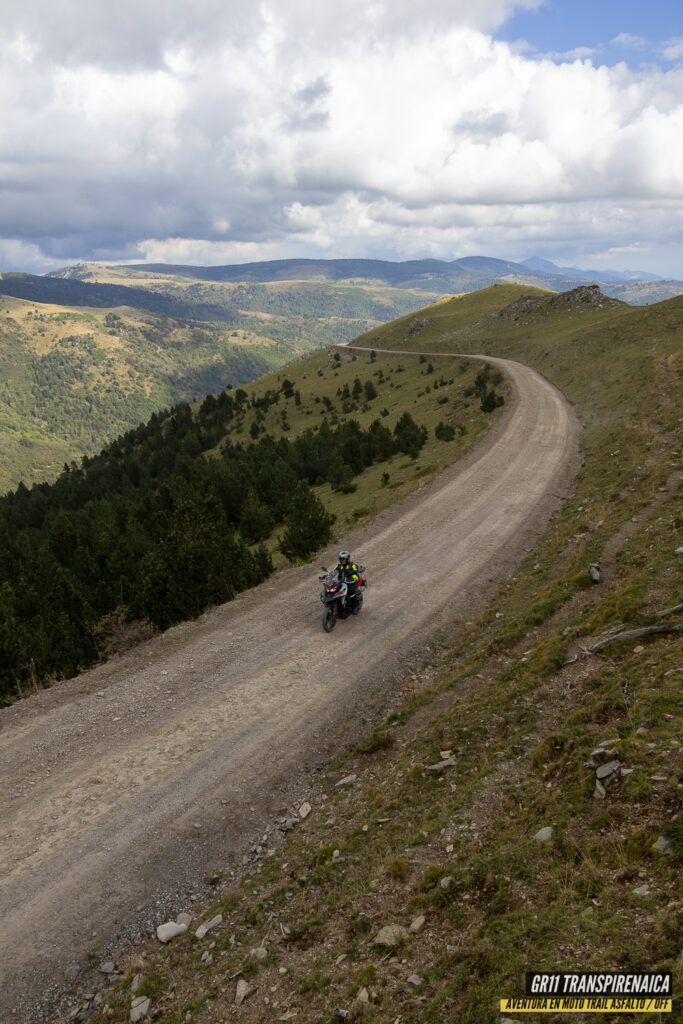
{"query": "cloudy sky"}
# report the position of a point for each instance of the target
(225, 131)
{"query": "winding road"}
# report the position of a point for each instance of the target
(123, 786)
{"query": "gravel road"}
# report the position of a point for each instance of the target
(122, 786)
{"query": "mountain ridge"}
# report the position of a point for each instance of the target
(606, 274)
(469, 273)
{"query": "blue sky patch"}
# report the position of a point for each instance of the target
(631, 31)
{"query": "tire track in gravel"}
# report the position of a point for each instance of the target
(106, 776)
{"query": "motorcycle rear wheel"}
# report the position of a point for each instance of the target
(329, 618)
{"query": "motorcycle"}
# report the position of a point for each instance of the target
(340, 598)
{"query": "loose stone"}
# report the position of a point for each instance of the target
(544, 835)
(204, 928)
(244, 990)
(390, 935)
(170, 930)
(139, 1008)
(348, 780)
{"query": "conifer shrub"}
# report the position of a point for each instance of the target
(308, 525)
(444, 432)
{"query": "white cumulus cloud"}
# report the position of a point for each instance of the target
(220, 132)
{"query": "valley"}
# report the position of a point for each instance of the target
(82, 362)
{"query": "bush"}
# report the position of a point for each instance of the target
(399, 869)
(431, 877)
(491, 401)
(444, 432)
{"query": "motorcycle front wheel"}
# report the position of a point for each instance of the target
(329, 618)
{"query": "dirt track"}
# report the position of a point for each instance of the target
(106, 777)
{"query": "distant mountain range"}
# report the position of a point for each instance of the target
(462, 275)
(83, 284)
(537, 263)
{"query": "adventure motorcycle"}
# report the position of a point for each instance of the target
(340, 597)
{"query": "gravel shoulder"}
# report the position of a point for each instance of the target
(125, 785)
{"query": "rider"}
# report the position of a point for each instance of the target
(348, 570)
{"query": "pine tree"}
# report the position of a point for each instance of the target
(409, 437)
(256, 522)
(370, 391)
(308, 525)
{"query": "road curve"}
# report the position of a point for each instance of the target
(107, 776)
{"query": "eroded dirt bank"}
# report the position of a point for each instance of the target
(123, 785)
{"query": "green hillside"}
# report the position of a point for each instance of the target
(620, 365)
(78, 370)
(552, 836)
(73, 379)
(167, 334)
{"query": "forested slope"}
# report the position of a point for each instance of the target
(83, 361)
(196, 505)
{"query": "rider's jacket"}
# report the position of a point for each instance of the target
(347, 572)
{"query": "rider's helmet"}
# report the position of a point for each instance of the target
(344, 556)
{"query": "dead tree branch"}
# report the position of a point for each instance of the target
(633, 634)
(668, 611)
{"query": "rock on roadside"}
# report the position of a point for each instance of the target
(244, 990)
(170, 930)
(139, 1008)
